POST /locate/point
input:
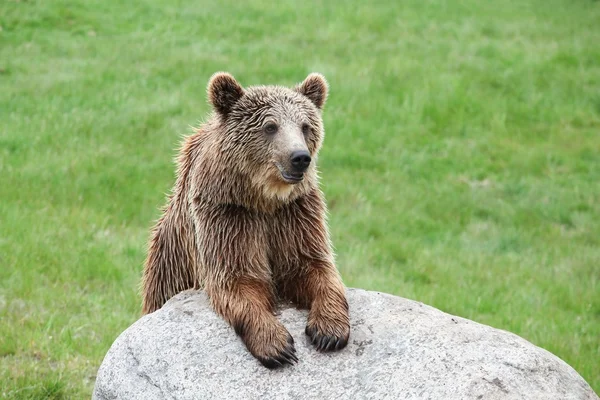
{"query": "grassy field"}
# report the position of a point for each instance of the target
(461, 164)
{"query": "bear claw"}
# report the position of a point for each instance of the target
(325, 342)
(285, 356)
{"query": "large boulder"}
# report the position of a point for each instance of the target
(398, 349)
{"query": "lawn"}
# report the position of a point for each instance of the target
(461, 164)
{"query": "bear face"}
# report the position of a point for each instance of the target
(271, 134)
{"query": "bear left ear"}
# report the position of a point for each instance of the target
(223, 92)
(315, 88)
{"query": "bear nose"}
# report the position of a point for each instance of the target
(300, 160)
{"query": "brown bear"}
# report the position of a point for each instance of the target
(247, 221)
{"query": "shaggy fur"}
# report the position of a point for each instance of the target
(236, 226)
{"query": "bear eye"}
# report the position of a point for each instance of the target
(270, 128)
(305, 128)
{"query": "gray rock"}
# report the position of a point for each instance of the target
(399, 349)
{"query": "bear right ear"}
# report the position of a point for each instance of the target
(224, 92)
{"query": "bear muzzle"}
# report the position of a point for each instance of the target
(300, 160)
(297, 165)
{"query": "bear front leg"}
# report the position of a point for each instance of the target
(312, 280)
(247, 305)
(328, 324)
(232, 248)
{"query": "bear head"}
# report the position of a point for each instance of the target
(271, 135)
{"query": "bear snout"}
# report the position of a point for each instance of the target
(300, 160)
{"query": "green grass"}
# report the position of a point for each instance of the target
(461, 164)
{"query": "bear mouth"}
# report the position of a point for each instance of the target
(292, 178)
(289, 177)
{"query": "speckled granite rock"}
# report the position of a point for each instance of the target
(399, 349)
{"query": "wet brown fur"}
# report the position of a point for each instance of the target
(233, 227)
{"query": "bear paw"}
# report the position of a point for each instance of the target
(275, 352)
(328, 334)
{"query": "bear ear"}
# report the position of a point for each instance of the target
(315, 88)
(224, 92)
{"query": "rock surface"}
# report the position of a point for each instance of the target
(398, 349)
